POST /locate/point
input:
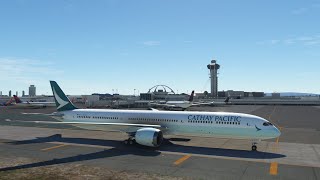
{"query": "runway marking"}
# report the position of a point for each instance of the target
(299, 164)
(181, 160)
(274, 165)
(269, 118)
(274, 168)
(274, 109)
(54, 147)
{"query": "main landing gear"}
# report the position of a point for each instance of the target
(129, 141)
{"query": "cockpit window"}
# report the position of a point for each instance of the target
(267, 124)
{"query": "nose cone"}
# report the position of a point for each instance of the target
(276, 131)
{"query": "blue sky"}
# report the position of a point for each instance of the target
(97, 46)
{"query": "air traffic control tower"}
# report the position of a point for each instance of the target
(214, 67)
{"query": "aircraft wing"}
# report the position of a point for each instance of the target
(213, 103)
(196, 104)
(163, 105)
(202, 103)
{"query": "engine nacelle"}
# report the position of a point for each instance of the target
(149, 137)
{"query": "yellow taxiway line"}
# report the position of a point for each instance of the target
(274, 109)
(273, 168)
(269, 118)
(274, 165)
(54, 147)
(181, 160)
(277, 141)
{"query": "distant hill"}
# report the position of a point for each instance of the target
(294, 94)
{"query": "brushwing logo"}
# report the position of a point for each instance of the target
(60, 101)
(258, 129)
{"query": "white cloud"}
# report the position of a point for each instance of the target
(302, 10)
(302, 40)
(274, 41)
(26, 71)
(187, 41)
(316, 5)
(312, 42)
(289, 41)
(299, 11)
(151, 43)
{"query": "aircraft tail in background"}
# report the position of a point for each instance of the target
(17, 99)
(191, 96)
(227, 100)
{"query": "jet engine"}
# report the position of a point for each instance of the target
(149, 137)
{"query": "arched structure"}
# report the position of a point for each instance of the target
(166, 89)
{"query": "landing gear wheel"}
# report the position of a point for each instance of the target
(126, 142)
(254, 148)
(129, 141)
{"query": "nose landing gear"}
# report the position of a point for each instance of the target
(254, 147)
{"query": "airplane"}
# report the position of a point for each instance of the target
(215, 103)
(147, 127)
(175, 105)
(19, 103)
(183, 105)
(8, 103)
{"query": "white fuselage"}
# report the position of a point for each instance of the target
(179, 104)
(207, 124)
(36, 104)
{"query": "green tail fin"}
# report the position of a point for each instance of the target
(62, 101)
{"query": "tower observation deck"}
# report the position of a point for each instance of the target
(214, 67)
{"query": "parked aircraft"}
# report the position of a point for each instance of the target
(8, 103)
(183, 105)
(32, 104)
(216, 103)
